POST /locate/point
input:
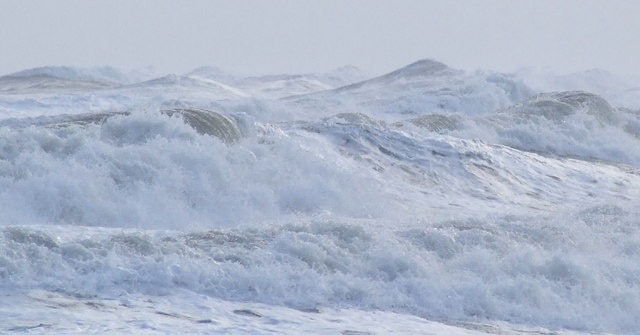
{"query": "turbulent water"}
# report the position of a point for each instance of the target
(426, 200)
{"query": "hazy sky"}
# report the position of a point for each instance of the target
(270, 36)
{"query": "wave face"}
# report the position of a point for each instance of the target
(573, 124)
(518, 207)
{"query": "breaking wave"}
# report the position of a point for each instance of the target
(429, 191)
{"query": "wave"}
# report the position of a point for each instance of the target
(66, 79)
(422, 69)
(98, 74)
(424, 87)
(205, 122)
(574, 124)
(461, 197)
(152, 170)
(242, 169)
(569, 124)
(515, 269)
(558, 106)
(209, 123)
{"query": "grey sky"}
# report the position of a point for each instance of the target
(269, 36)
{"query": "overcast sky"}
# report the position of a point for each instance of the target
(274, 36)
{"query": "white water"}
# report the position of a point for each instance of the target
(352, 209)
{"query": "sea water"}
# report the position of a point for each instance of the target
(428, 200)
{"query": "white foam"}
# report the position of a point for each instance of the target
(488, 221)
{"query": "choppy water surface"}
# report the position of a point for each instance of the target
(467, 199)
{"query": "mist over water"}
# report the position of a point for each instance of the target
(453, 196)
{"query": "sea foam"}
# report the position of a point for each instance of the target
(467, 198)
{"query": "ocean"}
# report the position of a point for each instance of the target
(428, 200)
